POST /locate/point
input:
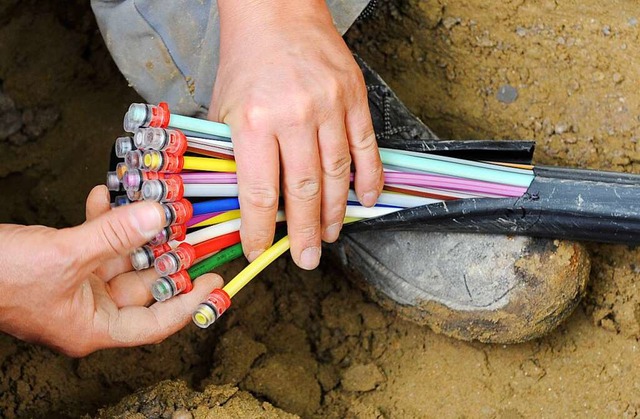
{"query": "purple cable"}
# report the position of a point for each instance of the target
(454, 184)
(208, 177)
(197, 219)
(424, 180)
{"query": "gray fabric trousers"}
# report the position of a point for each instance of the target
(168, 49)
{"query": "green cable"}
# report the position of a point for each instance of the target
(215, 261)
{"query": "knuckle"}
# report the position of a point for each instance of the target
(256, 114)
(261, 197)
(366, 142)
(339, 167)
(256, 239)
(307, 232)
(115, 236)
(304, 189)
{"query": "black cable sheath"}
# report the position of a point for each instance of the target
(560, 203)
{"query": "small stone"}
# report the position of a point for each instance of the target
(618, 78)
(561, 127)
(633, 21)
(181, 414)
(450, 22)
(507, 94)
(606, 30)
(520, 31)
(362, 378)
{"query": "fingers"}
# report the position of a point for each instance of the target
(114, 233)
(258, 173)
(364, 150)
(132, 288)
(336, 168)
(133, 326)
(98, 202)
(302, 184)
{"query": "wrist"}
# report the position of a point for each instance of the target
(260, 13)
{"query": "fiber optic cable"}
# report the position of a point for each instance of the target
(183, 256)
(182, 281)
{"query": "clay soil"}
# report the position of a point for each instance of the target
(311, 344)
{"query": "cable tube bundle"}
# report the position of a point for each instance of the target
(187, 165)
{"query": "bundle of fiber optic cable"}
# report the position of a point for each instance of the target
(187, 165)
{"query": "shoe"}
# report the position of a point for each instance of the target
(490, 288)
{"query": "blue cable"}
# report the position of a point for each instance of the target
(215, 205)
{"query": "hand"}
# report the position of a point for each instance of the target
(297, 104)
(73, 289)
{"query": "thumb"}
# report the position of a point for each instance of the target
(117, 232)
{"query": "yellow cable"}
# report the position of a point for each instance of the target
(220, 218)
(262, 261)
(208, 164)
(255, 267)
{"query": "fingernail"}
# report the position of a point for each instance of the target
(333, 231)
(369, 199)
(148, 218)
(309, 258)
(254, 254)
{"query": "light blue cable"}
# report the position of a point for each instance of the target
(451, 167)
(199, 125)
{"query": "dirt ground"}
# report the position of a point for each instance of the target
(310, 343)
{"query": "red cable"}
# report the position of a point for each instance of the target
(217, 243)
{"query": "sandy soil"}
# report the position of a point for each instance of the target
(312, 344)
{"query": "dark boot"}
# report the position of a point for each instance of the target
(491, 288)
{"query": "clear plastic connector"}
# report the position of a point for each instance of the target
(209, 311)
(171, 141)
(121, 200)
(138, 115)
(151, 138)
(168, 264)
(174, 232)
(123, 146)
(133, 159)
(153, 190)
(176, 260)
(159, 161)
(171, 285)
(113, 183)
(145, 115)
(163, 289)
(178, 212)
(163, 190)
(144, 257)
(204, 316)
(132, 180)
(141, 258)
(121, 169)
(134, 195)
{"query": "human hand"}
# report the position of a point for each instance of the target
(73, 289)
(297, 104)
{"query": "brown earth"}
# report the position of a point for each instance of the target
(311, 343)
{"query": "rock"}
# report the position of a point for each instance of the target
(10, 123)
(38, 121)
(362, 378)
(507, 94)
